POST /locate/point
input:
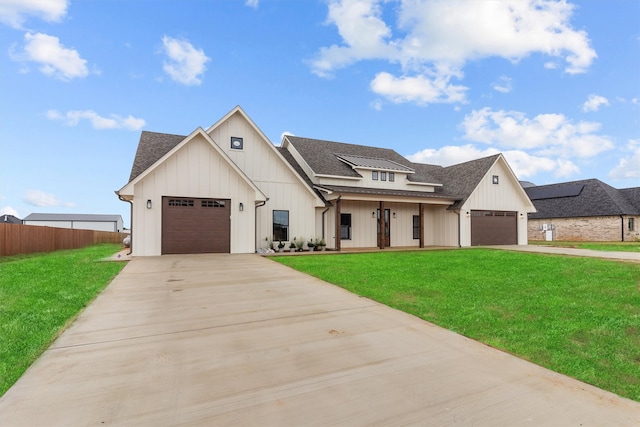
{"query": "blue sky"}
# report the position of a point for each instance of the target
(554, 85)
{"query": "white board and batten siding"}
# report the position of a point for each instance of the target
(195, 170)
(507, 195)
(263, 165)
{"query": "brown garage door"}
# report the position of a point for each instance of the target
(494, 228)
(191, 226)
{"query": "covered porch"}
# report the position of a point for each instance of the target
(362, 218)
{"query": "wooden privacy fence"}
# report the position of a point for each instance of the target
(25, 239)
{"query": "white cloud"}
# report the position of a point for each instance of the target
(42, 199)
(8, 210)
(252, 3)
(594, 102)
(549, 134)
(285, 133)
(53, 58)
(451, 155)
(419, 89)
(503, 85)
(14, 12)
(524, 165)
(435, 38)
(184, 64)
(629, 166)
(72, 118)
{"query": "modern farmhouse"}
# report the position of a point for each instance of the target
(229, 189)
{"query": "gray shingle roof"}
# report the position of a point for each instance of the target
(151, 148)
(322, 158)
(72, 217)
(595, 199)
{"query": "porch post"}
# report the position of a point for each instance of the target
(383, 226)
(421, 214)
(338, 230)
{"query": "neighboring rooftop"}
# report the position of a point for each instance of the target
(72, 217)
(590, 197)
(10, 219)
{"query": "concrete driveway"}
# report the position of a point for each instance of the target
(241, 340)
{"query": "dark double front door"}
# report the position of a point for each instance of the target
(384, 229)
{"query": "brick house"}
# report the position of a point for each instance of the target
(587, 210)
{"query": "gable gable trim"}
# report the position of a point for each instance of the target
(128, 188)
(238, 109)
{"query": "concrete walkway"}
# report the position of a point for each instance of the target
(541, 249)
(241, 340)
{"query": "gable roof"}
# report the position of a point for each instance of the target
(323, 157)
(463, 178)
(72, 217)
(171, 147)
(10, 219)
(151, 147)
(590, 197)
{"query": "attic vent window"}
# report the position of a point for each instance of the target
(496, 179)
(237, 143)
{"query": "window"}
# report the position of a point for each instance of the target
(236, 143)
(345, 226)
(496, 179)
(631, 224)
(181, 202)
(383, 176)
(374, 175)
(212, 203)
(280, 225)
(392, 177)
(416, 226)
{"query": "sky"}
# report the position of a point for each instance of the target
(553, 85)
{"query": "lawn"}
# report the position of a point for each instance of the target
(40, 294)
(596, 246)
(576, 316)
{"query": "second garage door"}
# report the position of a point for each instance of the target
(494, 228)
(191, 226)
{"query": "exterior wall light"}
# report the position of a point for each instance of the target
(373, 214)
(394, 215)
(149, 204)
(241, 207)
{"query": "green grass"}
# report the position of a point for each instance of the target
(576, 316)
(596, 246)
(40, 294)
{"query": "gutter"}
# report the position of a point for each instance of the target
(131, 219)
(255, 225)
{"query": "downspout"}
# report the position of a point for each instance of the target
(622, 228)
(323, 228)
(255, 225)
(131, 225)
(457, 211)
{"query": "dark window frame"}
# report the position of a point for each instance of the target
(392, 177)
(383, 176)
(631, 224)
(374, 175)
(280, 227)
(237, 139)
(345, 226)
(416, 227)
